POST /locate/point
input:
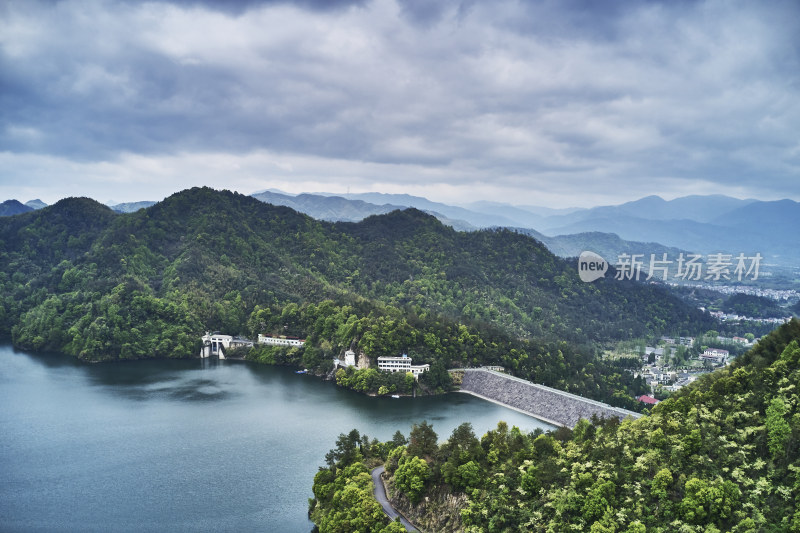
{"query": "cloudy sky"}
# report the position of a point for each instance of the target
(557, 103)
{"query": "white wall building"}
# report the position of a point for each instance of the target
(216, 344)
(395, 364)
(349, 359)
(419, 369)
(280, 341)
(401, 364)
(718, 355)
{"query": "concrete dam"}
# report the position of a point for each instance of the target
(551, 405)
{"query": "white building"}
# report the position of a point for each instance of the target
(419, 369)
(349, 359)
(717, 355)
(280, 341)
(401, 364)
(395, 364)
(216, 344)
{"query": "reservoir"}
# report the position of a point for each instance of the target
(188, 445)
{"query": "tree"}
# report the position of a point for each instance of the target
(393, 460)
(437, 377)
(422, 440)
(661, 482)
(598, 500)
(409, 382)
(469, 475)
(350, 506)
(394, 527)
(778, 429)
(398, 439)
(411, 476)
(346, 451)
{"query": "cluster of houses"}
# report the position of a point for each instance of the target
(719, 315)
(682, 341)
(670, 380)
(660, 376)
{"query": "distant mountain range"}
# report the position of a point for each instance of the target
(608, 245)
(15, 207)
(131, 207)
(701, 224)
(353, 208)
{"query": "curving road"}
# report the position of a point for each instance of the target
(380, 494)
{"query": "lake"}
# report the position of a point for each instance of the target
(189, 445)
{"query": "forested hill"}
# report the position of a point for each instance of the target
(80, 279)
(202, 246)
(722, 454)
(77, 278)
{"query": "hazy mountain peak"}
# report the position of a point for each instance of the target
(131, 207)
(35, 204)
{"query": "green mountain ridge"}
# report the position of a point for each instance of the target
(80, 279)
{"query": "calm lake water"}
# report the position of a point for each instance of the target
(184, 445)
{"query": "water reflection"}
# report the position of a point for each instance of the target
(184, 445)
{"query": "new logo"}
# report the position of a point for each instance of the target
(591, 266)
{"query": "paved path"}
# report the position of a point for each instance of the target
(380, 494)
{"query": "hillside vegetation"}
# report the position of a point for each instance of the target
(80, 279)
(722, 454)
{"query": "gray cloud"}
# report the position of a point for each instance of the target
(570, 97)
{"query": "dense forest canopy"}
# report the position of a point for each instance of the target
(722, 454)
(79, 279)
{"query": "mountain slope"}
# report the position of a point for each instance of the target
(700, 224)
(330, 208)
(474, 218)
(13, 207)
(607, 245)
(705, 209)
(703, 224)
(337, 209)
(217, 242)
(782, 216)
(722, 454)
(80, 279)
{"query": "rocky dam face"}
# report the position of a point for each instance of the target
(548, 404)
